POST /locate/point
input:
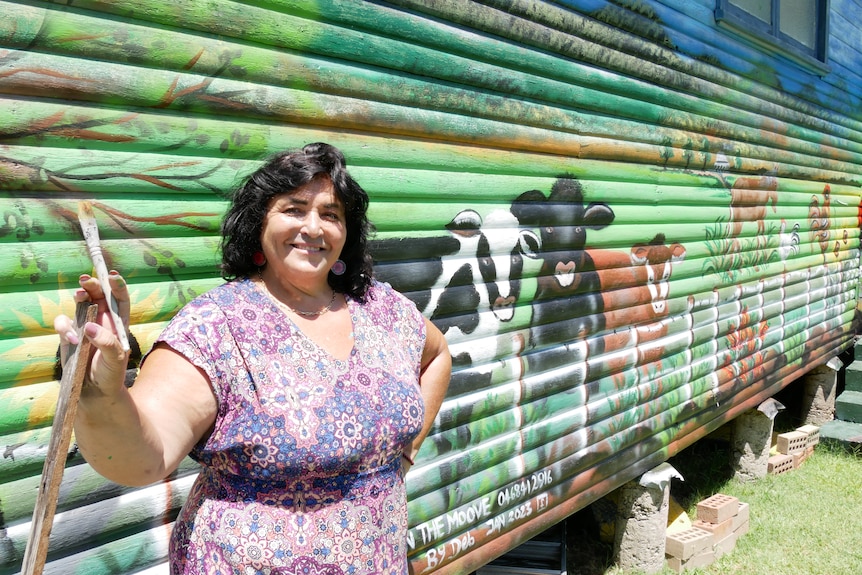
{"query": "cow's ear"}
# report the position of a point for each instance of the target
(466, 223)
(639, 254)
(598, 215)
(530, 196)
(530, 244)
(677, 253)
(529, 207)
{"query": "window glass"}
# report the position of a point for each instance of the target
(797, 19)
(760, 9)
(797, 28)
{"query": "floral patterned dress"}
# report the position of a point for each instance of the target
(301, 474)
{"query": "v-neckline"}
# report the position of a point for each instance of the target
(349, 303)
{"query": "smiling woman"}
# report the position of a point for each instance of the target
(303, 234)
(303, 386)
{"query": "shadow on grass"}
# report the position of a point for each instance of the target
(705, 468)
(586, 553)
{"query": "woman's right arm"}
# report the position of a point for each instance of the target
(136, 436)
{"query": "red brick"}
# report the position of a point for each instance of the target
(700, 560)
(717, 508)
(718, 530)
(779, 463)
(725, 545)
(685, 544)
(741, 529)
(801, 457)
(742, 515)
(792, 442)
(813, 433)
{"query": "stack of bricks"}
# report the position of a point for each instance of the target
(793, 448)
(721, 521)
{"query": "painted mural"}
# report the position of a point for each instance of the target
(630, 225)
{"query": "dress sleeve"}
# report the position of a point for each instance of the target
(197, 333)
(407, 321)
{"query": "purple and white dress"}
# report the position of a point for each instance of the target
(301, 474)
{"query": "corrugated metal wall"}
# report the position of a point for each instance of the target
(631, 225)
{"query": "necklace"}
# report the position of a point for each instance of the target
(284, 306)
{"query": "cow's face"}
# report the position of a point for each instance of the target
(563, 222)
(500, 245)
(658, 260)
(564, 241)
(564, 226)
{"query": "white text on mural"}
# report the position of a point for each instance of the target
(524, 488)
(442, 526)
(479, 510)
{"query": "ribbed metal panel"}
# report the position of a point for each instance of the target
(632, 226)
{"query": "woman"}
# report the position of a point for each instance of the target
(303, 387)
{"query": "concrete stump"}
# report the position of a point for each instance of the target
(818, 398)
(641, 525)
(752, 439)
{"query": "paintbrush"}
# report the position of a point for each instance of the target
(36, 550)
(90, 229)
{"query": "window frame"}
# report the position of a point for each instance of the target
(770, 36)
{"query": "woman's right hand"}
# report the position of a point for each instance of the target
(106, 369)
(140, 434)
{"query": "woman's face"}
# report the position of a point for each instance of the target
(304, 230)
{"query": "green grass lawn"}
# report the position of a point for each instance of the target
(804, 522)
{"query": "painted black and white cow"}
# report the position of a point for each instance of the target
(467, 282)
(567, 307)
(485, 274)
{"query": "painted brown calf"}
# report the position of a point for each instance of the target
(634, 290)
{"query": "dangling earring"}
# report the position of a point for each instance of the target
(338, 268)
(258, 259)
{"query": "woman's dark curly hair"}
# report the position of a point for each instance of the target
(285, 172)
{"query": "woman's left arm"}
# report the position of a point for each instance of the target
(433, 381)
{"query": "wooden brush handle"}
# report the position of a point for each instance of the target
(58, 446)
